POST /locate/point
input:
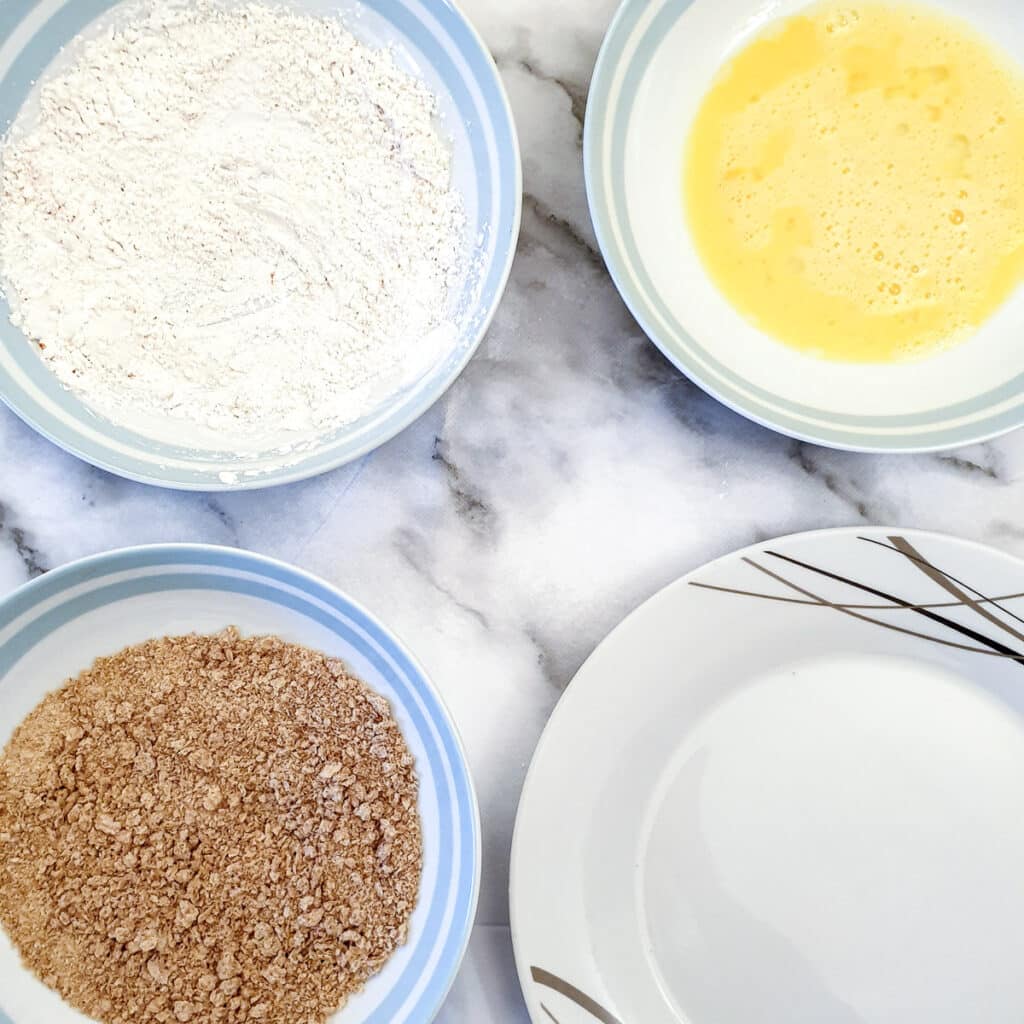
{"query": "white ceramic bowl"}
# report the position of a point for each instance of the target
(55, 626)
(430, 38)
(657, 62)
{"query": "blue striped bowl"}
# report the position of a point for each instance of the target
(656, 63)
(54, 627)
(432, 39)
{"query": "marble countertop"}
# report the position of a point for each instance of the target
(569, 474)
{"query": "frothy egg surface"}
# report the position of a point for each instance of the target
(854, 181)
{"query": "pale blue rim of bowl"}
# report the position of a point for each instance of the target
(438, 31)
(605, 134)
(202, 566)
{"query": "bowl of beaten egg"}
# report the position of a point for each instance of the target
(817, 211)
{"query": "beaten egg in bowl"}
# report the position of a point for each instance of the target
(854, 181)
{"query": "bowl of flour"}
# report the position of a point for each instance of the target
(245, 243)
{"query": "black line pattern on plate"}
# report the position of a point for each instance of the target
(964, 596)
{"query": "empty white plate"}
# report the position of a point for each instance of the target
(788, 789)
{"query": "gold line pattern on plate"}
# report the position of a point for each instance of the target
(954, 588)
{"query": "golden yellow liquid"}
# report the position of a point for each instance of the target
(854, 181)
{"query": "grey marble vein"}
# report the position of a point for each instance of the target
(31, 558)
(214, 505)
(981, 461)
(847, 487)
(535, 206)
(576, 92)
(469, 501)
(411, 547)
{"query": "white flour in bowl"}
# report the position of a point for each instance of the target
(236, 219)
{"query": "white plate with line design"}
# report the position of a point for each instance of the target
(788, 788)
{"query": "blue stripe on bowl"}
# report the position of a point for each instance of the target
(436, 31)
(458, 822)
(12, 12)
(605, 136)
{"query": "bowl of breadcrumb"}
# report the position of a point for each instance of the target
(243, 243)
(227, 794)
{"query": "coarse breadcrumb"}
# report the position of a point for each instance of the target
(209, 829)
